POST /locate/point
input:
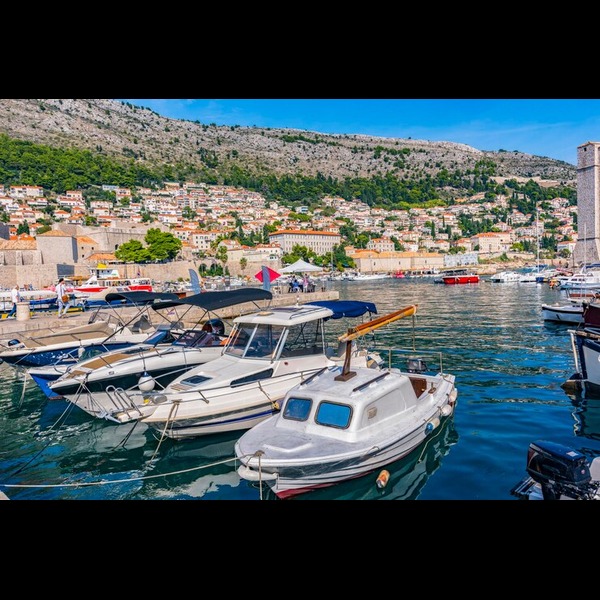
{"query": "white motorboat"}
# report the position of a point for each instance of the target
(366, 276)
(341, 424)
(557, 472)
(587, 279)
(38, 299)
(156, 362)
(267, 353)
(506, 277)
(571, 312)
(104, 331)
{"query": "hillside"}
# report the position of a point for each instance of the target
(115, 129)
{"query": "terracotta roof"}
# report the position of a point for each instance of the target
(84, 239)
(104, 256)
(18, 245)
(303, 232)
(55, 233)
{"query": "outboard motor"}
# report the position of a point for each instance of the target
(560, 471)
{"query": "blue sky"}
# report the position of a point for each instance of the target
(545, 127)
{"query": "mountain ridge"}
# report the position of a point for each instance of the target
(122, 130)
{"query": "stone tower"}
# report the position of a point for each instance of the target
(587, 248)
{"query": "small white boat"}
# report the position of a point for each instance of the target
(557, 472)
(367, 276)
(153, 364)
(563, 313)
(587, 279)
(506, 277)
(341, 424)
(38, 299)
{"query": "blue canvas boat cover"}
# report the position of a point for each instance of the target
(347, 308)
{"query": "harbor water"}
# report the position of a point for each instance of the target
(509, 366)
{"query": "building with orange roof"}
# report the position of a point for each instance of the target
(320, 242)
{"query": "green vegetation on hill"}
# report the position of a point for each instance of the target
(61, 169)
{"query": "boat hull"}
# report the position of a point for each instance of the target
(298, 479)
(567, 313)
(586, 349)
(63, 355)
(293, 460)
(462, 279)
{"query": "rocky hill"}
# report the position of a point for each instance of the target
(119, 129)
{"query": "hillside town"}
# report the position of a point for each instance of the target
(204, 216)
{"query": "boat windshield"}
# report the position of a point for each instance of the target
(255, 341)
(264, 340)
(197, 339)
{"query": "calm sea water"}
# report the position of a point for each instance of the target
(509, 366)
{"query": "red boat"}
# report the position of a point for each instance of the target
(465, 278)
(104, 277)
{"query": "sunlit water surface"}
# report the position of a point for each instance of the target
(509, 367)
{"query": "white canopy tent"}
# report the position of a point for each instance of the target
(301, 266)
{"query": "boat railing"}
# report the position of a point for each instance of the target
(120, 400)
(412, 361)
(130, 400)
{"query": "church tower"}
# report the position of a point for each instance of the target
(587, 248)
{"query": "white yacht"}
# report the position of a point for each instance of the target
(267, 353)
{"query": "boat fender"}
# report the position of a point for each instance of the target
(382, 479)
(431, 425)
(146, 382)
(446, 410)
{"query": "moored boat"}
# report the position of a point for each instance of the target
(460, 278)
(571, 312)
(505, 277)
(344, 423)
(266, 354)
(104, 331)
(154, 363)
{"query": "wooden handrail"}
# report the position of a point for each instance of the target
(364, 328)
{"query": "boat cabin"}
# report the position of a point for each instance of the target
(349, 410)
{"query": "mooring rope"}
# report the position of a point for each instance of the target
(128, 480)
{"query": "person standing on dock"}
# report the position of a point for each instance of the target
(62, 298)
(15, 296)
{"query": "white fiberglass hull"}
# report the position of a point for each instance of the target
(566, 313)
(292, 462)
(98, 391)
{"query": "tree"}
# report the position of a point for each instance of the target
(23, 227)
(162, 244)
(133, 251)
(188, 214)
(221, 254)
(243, 263)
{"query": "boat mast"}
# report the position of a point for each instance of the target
(537, 236)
